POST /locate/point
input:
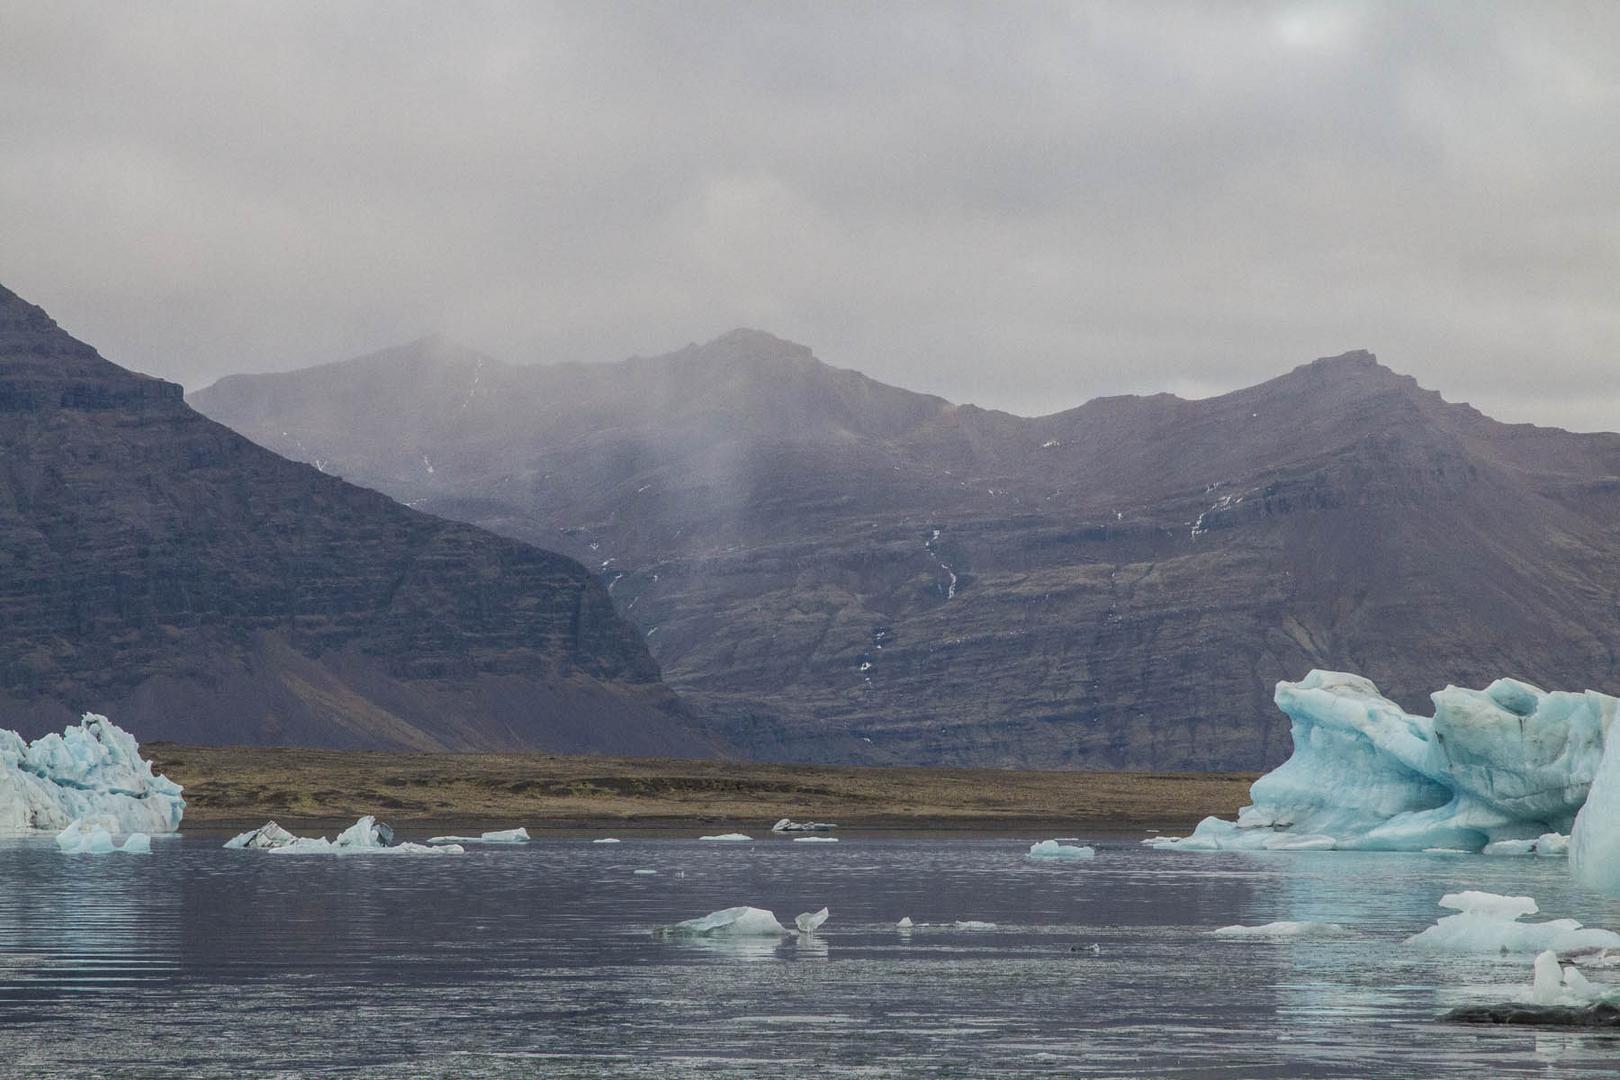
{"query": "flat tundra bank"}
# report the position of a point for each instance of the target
(240, 786)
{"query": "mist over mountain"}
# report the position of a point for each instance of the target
(159, 568)
(830, 568)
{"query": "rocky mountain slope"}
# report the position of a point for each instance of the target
(835, 569)
(158, 567)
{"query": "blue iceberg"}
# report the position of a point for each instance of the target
(92, 772)
(1508, 763)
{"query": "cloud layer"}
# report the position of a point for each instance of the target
(1021, 206)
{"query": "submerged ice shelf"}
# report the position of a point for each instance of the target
(1508, 766)
(92, 772)
(91, 836)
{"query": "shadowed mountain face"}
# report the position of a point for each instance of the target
(162, 569)
(835, 569)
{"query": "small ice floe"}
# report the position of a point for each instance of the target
(809, 921)
(92, 836)
(1486, 922)
(501, 836)
(607, 840)
(786, 825)
(728, 922)
(904, 923)
(1051, 850)
(1282, 930)
(1547, 844)
(1446, 851)
(730, 836)
(973, 924)
(815, 839)
(367, 836)
(645, 873)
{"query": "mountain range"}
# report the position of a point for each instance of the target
(159, 568)
(828, 568)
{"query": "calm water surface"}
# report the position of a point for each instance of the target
(538, 961)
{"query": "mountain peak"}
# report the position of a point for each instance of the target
(1356, 372)
(26, 329)
(745, 345)
(744, 337)
(43, 367)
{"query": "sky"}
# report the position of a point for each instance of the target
(1020, 205)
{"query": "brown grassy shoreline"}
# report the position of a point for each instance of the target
(239, 787)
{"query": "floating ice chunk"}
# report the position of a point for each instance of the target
(1579, 986)
(1509, 847)
(1051, 850)
(809, 921)
(1445, 851)
(1552, 844)
(94, 836)
(645, 873)
(606, 840)
(92, 770)
(1282, 930)
(729, 922)
(973, 924)
(785, 825)
(85, 837)
(815, 839)
(1496, 764)
(904, 923)
(268, 835)
(731, 836)
(367, 836)
(1486, 922)
(501, 836)
(1548, 985)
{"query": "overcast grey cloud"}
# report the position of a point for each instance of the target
(1019, 205)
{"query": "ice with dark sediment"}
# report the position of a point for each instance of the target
(367, 836)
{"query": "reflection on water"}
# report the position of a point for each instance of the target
(539, 960)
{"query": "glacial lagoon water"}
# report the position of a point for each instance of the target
(537, 960)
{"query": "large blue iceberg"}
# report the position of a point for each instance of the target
(1510, 762)
(91, 773)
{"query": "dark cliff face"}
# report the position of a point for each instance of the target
(841, 570)
(162, 569)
